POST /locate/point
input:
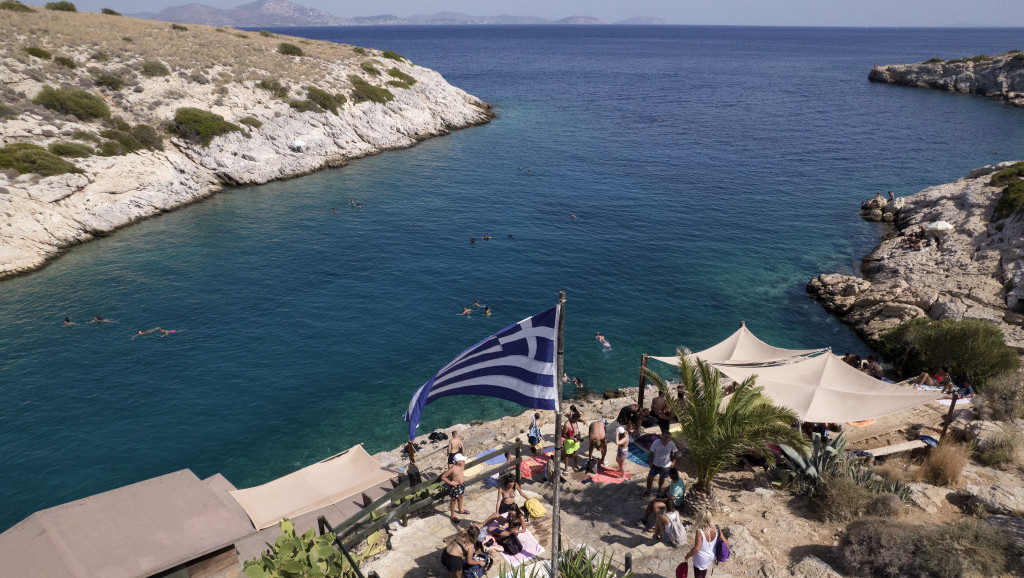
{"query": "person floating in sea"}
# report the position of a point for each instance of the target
(487, 311)
(486, 237)
(166, 332)
(600, 339)
(572, 217)
(466, 311)
(99, 319)
(141, 333)
(359, 205)
(334, 211)
(472, 240)
(476, 304)
(351, 202)
(68, 321)
(520, 168)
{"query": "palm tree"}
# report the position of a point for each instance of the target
(717, 435)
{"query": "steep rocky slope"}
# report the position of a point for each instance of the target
(145, 72)
(1000, 76)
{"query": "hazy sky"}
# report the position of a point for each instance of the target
(739, 12)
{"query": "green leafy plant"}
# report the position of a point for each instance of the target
(63, 6)
(80, 134)
(323, 98)
(266, 34)
(251, 121)
(305, 105)
(109, 12)
(64, 61)
(359, 50)
(290, 49)
(294, 556)
(100, 56)
(15, 6)
(40, 53)
(128, 39)
(274, 87)
(179, 27)
(81, 103)
(30, 158)
(71, 149)
(132, 139)
(111, 81)
(803, 471)
(719, 432)
(363, 91)
(152, 68)
(969, 347)
(933, 61)
(369, 68)
(7, 111)
(200, 126)
(408, 79)
(392, 55)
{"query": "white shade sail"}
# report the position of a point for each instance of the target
(743, 348)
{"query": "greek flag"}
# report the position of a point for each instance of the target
(516, 363)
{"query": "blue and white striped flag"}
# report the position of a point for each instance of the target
(517, 363)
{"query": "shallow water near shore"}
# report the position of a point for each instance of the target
(713, 171)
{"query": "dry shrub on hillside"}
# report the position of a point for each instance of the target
(1000, 450)
(944, 464)
(840, 499)
(1003, 397)
(897, 469)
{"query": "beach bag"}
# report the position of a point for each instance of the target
(675, 533)
(473, 571)
(593, 465)
(722, 552)
(683, 569)
(511, 544)
(534, 508)
(534, 436)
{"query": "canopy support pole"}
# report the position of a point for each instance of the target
(643, 381)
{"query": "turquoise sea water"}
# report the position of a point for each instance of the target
(713, 171)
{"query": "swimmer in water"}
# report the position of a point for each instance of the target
(572, 217)
(487, 311)
(466, 311)
(99, 319)
(599, 337)
(486, 237)
(166, 332)
(472, 240)
(142, 333)
(68, 321)
(476, 304)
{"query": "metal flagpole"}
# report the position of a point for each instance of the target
(555, 520)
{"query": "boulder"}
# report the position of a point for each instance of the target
(998, 498)
(813, 567)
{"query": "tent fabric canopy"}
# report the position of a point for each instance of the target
(743, 348)
(324, 483)
(825, 389)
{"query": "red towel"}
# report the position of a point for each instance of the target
(609, 476)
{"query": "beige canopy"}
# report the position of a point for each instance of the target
(743, 348)
(825, 389)
(330, 481)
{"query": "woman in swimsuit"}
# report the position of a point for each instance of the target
(457, 555)
(507, 494)
(571, 431)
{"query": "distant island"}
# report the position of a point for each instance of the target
(285, 13)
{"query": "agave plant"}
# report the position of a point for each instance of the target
(579, 563)
(805, 471)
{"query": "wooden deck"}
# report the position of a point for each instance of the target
(889, 434)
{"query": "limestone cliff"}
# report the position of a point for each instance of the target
(145, 72)
(1000, 76)
(974, 270)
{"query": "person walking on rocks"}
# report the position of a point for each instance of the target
(455, 477)
(704, 539)
(454, 447)
(661, 456)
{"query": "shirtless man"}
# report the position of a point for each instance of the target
(455, 447)
(466, 311)
(598, 438)
(661, 410)
(455, 477)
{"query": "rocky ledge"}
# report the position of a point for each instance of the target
(974, 270)
(1000, 76)
(145, 72)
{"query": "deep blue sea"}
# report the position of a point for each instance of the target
(713, 171)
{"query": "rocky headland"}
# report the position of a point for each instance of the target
(999, 76)
(283, 107)
(973, 270)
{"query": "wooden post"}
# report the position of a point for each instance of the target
(628, 565)
(560, 363)
(519, 463)
(643, 381)
(411, 451)
(949, 415)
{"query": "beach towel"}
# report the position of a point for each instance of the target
(498, 459)
(960, 401)
(638, 455)
(861, 423)
(530, 549)
(534, 467)
(608, 476)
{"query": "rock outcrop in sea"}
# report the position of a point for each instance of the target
(145, 72)
(974, 270)
(999, 76)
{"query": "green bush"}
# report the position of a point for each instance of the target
(14, 6)
(251, 121)
(80, 134)
(7, 111)
(1011, 202)
(200, 126)
(71, 149)
(359, 50)
(110, 12)
(40, 53)
(133, 138)
(64, 61)
(151, 68)
(290, 49)
(178, 27)
(30, 158)
(392, 55)
(128, 39)
(63, 6)
(399, 84)
(933, 61)
(369, 69)
(266, 34)
(305, 106)
(111, 81)
(1010, 174)
(275, 88)
(363, 91)
(402, 76)
(323, 98)
(100, 56)
(110, 148)
(81, 103)
(1003, 398)
(972, 348)
(840, 499)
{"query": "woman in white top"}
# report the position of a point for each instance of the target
(665, 519)
(703, 552)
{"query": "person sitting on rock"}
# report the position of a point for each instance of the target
(940, 379)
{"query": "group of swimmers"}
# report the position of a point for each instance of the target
(97, 319)
(163, 332)
(476, 305)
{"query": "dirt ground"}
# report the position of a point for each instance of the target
(772, 532)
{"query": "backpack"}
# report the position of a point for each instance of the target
(534, 436)
(415, 478)
(675, 533)
(471, 571)
(534, 508)
(593, 466)
(511, 544)
(722, 552)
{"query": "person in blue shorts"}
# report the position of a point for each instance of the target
(661, 456)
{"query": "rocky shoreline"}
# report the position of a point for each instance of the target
(975, 270)
(1000, 76)
(40, 217)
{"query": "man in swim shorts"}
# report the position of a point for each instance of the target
(663, 454)
(598, 438)
(455, 477)
(455, 447)
(661, 410)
